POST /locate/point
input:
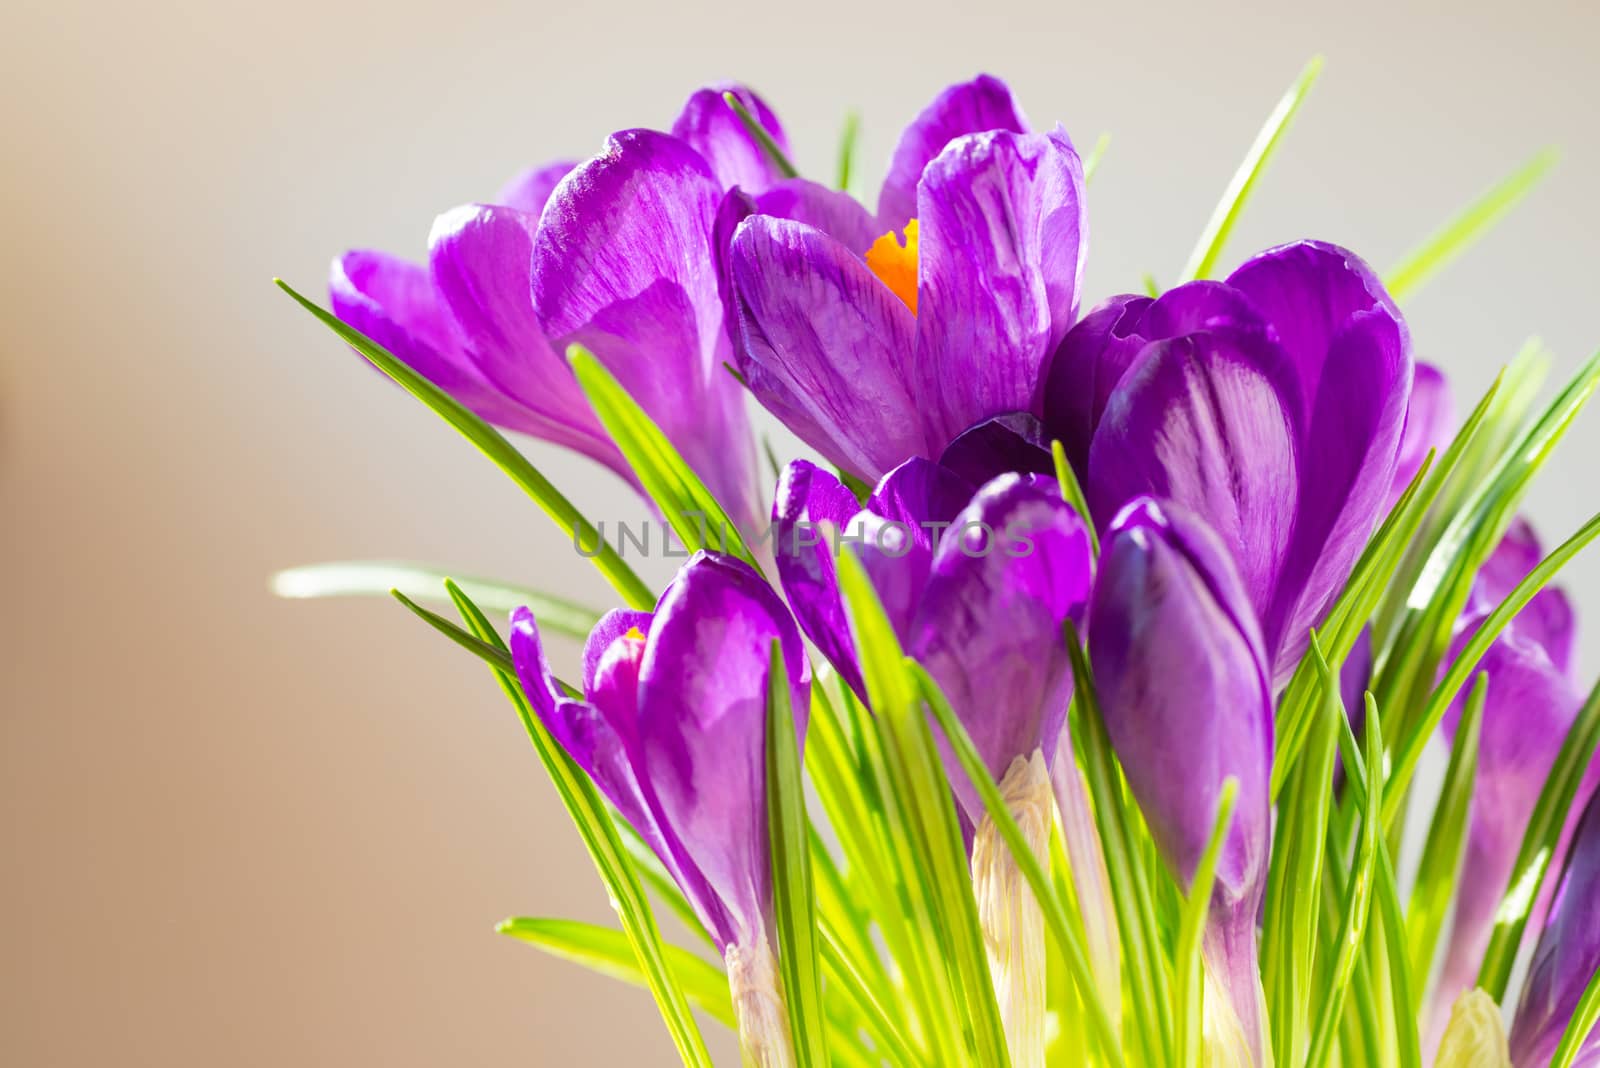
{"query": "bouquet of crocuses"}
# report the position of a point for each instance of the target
(1067, 709)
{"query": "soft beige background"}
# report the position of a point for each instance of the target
(236, 831)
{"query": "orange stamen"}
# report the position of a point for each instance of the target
(896, 263)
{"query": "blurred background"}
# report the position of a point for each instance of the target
(247, 831)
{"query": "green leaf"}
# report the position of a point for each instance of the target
(794, 902)
(763, 138)
(696, 516)
(1191, 930)
(1579, 1025)
(1539, 845)
(594, 823)
(933, 851)
(879, 1022)
(1290, 926)
(1355, 906)
(490, 654)
(1440, 868)
(490, 442)
(1091, 162)
(1056, 921)
(607, 951)
(847, 149)
(1209, 249)
(1458, 235)
(1129, 866)
(1072, 493)
(369, 578)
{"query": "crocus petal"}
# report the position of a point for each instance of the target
(1014, 443)
(1348, 462)
(1428, 423)
(809, 500)
(480, 258)
(712, 128)
(623, 264)
(530, 190)
(702, 710)
(1310, 291)
(839, 215)
(1548, 620)
(1181, 674)
(1002, 238)
(984, 103)
(1566, 957)
(1086, 367)
(823, 345)
(394, 303)
(1205, 421)
(906, 515)
(1020, 554)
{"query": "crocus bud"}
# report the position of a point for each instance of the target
(1567, 956)
(675, 738)
(1183, 685)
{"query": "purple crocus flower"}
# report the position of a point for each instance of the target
(671, 726)
(1529, 705)
(1182, 679)
(1566, 957)
(1214, 396)
(614, 253)
(879, 354)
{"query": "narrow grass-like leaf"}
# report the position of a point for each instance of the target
(609, 952)
(919, 787)
(696, 516)
(1061, 929)
(1405, 764)
(847, 150)
(1072, 493)
(794, 902)
(763, 138)
(595, 825)
(1579, 1025)
(1091, 162)
(1355, 906)
(1292, 910)
(1128, 868)
(654, 875)
(879, 1021)
(492, 655)
(492, 444)
(1440, 868)
(1209, 249)
(1190, 978)
(371, 578)
(1457, 235)
(1539, 845)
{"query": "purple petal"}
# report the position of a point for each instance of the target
(906, 515)
(839, 215)
(1018, 554)
(1348, 462)
(1182, 679)
(824, 345)
(1086, 367)
(1205, 421)
(702, 706)
(1310, 291)
(480, 258)
(530, 190)
(394, 303)
(623, 264)
(970, 107)
(1428, 426)
(712, 128)
(1548, 620)
(1001, 239)
(613, 626)
(1015, 443)
(1567, 955)
(807, 499)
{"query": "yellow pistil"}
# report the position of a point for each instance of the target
(635, 633)
(896, 263)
